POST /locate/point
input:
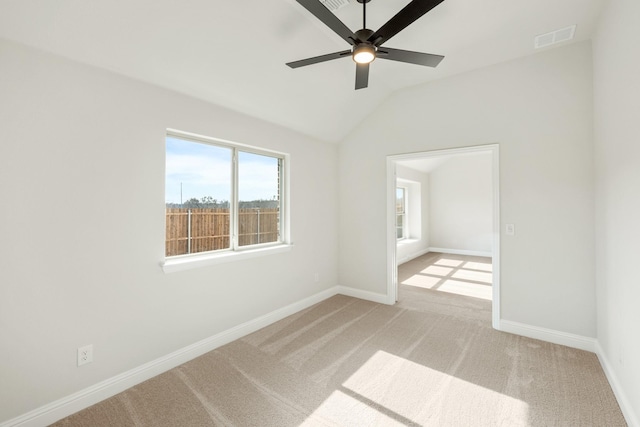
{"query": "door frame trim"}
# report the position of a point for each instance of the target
(392, 265)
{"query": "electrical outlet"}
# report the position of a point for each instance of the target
(85, 354)
(316, 277)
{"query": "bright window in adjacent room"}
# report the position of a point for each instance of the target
(401, 213)
(221, 196)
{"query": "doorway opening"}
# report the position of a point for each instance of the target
(447, 224)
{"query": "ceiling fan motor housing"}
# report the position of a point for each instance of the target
(363, 34)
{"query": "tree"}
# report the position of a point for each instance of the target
(208, 202)
(192, 203)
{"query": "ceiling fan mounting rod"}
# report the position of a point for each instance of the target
(364, 12)
(364, 15)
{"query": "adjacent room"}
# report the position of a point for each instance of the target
(445, 223)
(319, 212)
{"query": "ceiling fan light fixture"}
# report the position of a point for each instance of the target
(364, 53)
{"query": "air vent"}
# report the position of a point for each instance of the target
(334, 5)
(554, 37)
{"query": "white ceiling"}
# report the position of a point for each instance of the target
(233, 53)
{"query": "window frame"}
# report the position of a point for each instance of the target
(405, 229)
(235, 252)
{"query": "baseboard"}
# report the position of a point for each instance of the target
(625, 405)
(412, 256)
(549, 335)
(66, 406)
(365, 295)
(461, 252)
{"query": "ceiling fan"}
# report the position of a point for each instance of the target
(366, 45)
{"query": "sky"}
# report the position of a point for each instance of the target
(205, 170)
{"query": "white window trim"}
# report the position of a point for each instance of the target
(407, 241)
(203, 259)
(206, 259)
(405, 224)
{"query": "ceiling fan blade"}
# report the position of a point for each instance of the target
(362, 76)
(402, 19)
(321, 58)
(419, 58)
(327, 17)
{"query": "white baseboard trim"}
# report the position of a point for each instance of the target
(412, 256)
(365, 295)
(549, 335)
(633, 420)
(71, 404)
(461, 252)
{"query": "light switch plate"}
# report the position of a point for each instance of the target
(510, 229)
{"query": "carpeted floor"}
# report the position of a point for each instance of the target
(432, 360)
(455, 274)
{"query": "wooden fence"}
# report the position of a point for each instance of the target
(205, 229)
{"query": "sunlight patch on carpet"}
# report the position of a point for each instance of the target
(449, 262)
(406, 392)
(476, 276)
(434, 270)
(420, 281)
(342, 409)
(484, 266)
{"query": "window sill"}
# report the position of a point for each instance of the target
(190, 262)
(407, 241)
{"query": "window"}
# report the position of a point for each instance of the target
(401, 213)
(221, 196)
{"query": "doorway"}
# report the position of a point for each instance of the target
(395, 164)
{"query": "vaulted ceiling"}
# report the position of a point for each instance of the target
(233, 53)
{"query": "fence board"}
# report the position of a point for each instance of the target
(210, 229)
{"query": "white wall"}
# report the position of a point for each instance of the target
(82, 228)
(617, 138)
(417, 213)
(539, 109)
(461, 192)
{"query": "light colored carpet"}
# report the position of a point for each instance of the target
(454, 274)
(432, 360)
